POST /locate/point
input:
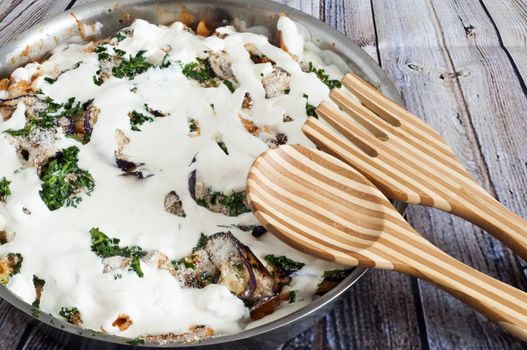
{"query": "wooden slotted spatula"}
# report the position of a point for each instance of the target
(320, 205)
(407, 160)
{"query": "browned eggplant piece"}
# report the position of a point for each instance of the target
(220, 63)
(236, 273)
(39, 287)
(79, 119)
(258, 231)
(331, 279)
(264, 307)
(32, 103)
(91, 114)
(194, 335)
(138, 174)
(14, 261)
(247, 101)
(6, 237)
(132, 169)
(173, 204)
(126, 165)
(232, 204)
(276, 83)
(265, 284)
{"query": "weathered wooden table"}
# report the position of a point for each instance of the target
(462, 66)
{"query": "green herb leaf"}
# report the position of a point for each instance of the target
(137, 119)
(202, 242)
(15, 261)
(292, 296)
(4, 189)
(120, 36)
(135, 341)
(106, 247)
(321, 74)
(337, 274)
(50, 80)
(310, 109)
(200, 71)
(283, 264)
(63, 180)
(165, 63)
(235, 202)
(223, 147)
(229, 85)
(71, 314)
(102, 53)
(132, 66)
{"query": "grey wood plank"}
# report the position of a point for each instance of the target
(13, 324)
(21, 15)
(355, 20)
(510, 20)
(493, 95)
(412, 52)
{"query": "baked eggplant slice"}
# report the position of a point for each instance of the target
(236, 273)
(32, 102)
(331, 279)
(173, 204)
(276, 83)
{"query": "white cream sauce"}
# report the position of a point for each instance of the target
(56, 244)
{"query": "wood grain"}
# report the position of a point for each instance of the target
(401, 313)
(17, 16)
(510, 21)
(413, 54)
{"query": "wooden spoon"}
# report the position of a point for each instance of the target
(320, 205)
(407, 160)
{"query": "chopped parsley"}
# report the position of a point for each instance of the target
(102, 53)
(120, 36)
(106, 247)
(165, 63)
(97, 80)
(48, 117)
(229, 85)
(63, 180)
(235, 202)
(135, 341)
(200, 71)
(132, 66)
(71, 314)
(45, 119)
(283, 264)
(38, 283)
(49, 80)
(292, 296)
(137, 119)
(321, 74)
(4, 189)
(186, 261)
(310, 109)
(336, 274)
(119, 52)
(223, 147)
(202, 242)
(15, 261)
(193, 125)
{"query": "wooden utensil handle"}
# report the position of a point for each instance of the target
(483, 210)
(499, 302)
